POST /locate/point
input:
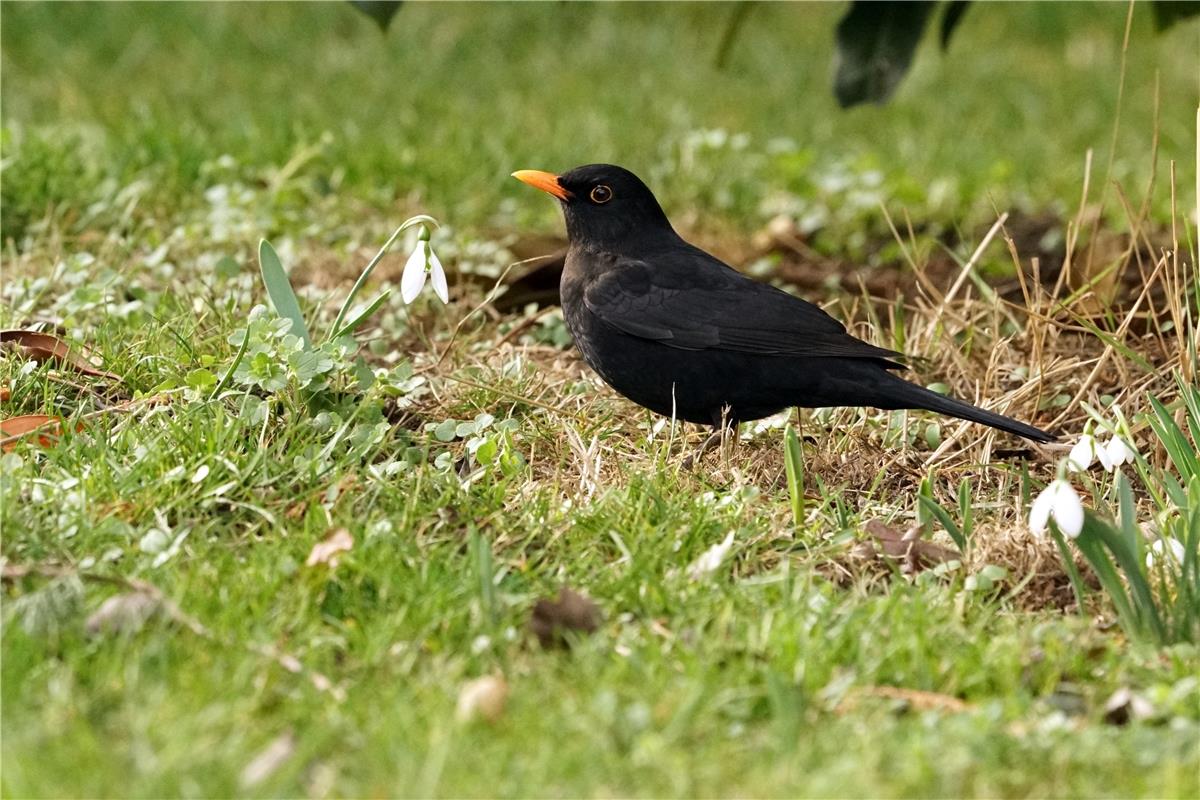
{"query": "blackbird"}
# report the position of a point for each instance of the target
(680, 332)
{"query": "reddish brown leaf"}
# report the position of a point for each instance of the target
(553, 619)
(48, 347)
(14, 429)
(5, 393)
(913, 552)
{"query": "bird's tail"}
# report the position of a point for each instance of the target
(899, 393)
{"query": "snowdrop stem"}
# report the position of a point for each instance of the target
(420, 219)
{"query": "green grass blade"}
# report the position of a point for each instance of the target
(793, 459)
(932, 507)
(279, 289)
(966, 508)
(237, 359)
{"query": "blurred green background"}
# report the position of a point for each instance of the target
(437, 112)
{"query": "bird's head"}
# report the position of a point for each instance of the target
(604, 205)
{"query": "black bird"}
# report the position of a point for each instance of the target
(682, 333)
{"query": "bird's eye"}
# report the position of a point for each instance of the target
(601, 194)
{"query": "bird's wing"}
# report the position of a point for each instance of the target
(717, 309)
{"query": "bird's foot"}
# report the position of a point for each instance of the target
(715, 438)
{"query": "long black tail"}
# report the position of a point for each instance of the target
(899, 393)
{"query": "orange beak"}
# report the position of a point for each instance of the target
(546, 181)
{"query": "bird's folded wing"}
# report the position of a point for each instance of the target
(720, 311)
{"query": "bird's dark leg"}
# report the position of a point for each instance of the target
(723, 425)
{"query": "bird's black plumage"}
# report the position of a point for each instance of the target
(682, 333)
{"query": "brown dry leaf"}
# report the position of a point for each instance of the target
(913, 552)
(551, 620)
(48, 347)
(909, 699)
(483, 698)
(5, 393)
(268, 760)
(123, 613)
(330, 548)
(14, 429)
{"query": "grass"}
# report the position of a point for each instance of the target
(803, 664)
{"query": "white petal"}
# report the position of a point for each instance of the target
(1067, 509)
(1039, 513)
(438, 277)
(710, 559)
(1118, 452)
(1174, 548)
(1082, 454)
(1177, 551)
(413, 277)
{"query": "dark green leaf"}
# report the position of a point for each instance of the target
(381, 11)
(1169, 12)
(951, 17)
(875, 46)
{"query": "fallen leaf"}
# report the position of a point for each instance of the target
(552, 620)
(14, 429)
(48, 347)
(482, 698)
(913, 552)
(123, 613)
(1127, 706)
(5, 394)
(330, 548)
(268, 760)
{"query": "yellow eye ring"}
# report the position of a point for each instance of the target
(601, 194)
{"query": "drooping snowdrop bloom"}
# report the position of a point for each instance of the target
(1059, 502)
(421, 264)
(1089, 449)
(1083, 453)
(1167, 546)
(1117, 453)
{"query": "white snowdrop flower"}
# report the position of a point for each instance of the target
(1117, 453)
(710, 559)
(421, 264)
(1168, 546)
(1059, 502)
(1083, 453)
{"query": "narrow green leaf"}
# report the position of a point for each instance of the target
(793, 459)
(279, 289)
(966, 508)
(237, 359)
(484, 572)
(361, 318)
(1182, 456)
(931, 506)
(1089, 543)
(1141, 600)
